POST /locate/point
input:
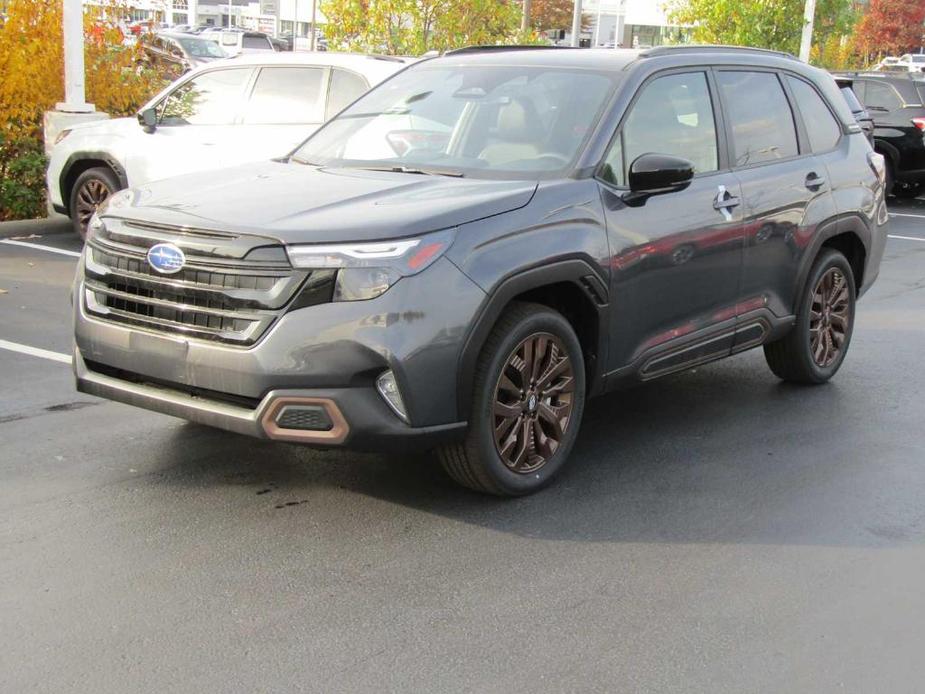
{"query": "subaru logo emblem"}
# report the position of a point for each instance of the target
(531, 403)
(166, 258)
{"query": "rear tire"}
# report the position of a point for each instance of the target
(525, 411)
(815, 348)
(906, 189)
(92, 188)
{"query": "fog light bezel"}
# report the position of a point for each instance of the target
(392, 394)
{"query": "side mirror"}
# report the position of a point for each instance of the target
(148, 120)
(654, 174)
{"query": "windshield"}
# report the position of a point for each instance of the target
(202, 48)
(480, 121)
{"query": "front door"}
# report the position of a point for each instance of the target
(675, 258)
(197, 127)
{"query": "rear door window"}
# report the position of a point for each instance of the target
(286, 95)
(760, 118)
(823, 130)
(881, 96)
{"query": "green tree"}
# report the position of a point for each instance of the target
(775, 24)
(412, 27)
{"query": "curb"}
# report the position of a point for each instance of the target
(57, 224)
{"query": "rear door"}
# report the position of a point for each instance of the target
(785, 193)
(285, 106)
(676, 258)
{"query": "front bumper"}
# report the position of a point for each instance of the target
(329, 354)
(360, 420)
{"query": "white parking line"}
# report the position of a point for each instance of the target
(35, 352)
(62, 251)
(906, 214)
(905, 238)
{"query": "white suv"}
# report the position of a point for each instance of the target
(250, 108)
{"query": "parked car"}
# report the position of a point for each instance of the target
(861, 114)
(225, 113)
(237, 41)
(912, 62)
(897, 104)
(173, 55)
(468, 292)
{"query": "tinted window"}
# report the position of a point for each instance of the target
(345, 88)
(821, 126)
(257, 42)
(673, 115)
(881, 96)
(760, 117)
(286, 95)
(851, 99)
(210, 99)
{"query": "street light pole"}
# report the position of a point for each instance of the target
(806, 41)
(576, 24)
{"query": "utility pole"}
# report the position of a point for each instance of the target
(525, 20)
(597, 24)
(576, 24)
(806, 42)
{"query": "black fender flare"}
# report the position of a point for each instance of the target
(887, 150)
(849, 223)
(574, 271)
(80, 157)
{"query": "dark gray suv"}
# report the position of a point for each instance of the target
(468, 252)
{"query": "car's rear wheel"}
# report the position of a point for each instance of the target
(91, 189)
(906, 189)
(815, 348)
(528, 400)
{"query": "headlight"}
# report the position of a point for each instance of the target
(64, 133)
(366, 270)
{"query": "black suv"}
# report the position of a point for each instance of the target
(896, 102)
(470, 250)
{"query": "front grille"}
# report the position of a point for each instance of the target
(231, 288)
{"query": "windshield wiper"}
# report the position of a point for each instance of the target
(413, 170)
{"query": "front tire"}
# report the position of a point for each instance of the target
(815, 348)
(527, 404)
(91, 189)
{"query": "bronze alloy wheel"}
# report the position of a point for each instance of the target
(829, 317)
(533, 403)
(91, 195)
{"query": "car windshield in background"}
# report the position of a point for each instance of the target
(202, 48)
(480, 121)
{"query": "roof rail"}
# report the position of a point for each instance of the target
(707, 48)
(499, 48)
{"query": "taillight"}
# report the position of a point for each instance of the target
(878, 164)
(919, 123)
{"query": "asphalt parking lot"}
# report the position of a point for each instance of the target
(715, 531)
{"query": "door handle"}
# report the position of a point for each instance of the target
(724, 202)
(814, 181)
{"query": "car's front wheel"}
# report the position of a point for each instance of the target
(816, 346)
(91, 189)
(528, 399)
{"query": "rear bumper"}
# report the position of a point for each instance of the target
(359, 419)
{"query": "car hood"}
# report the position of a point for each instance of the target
(110, 126)
(294, 203)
